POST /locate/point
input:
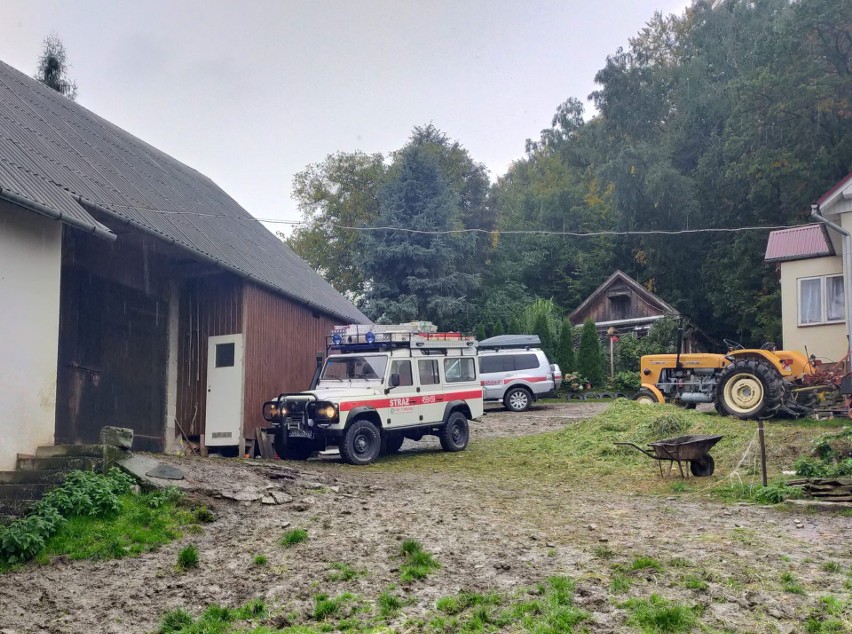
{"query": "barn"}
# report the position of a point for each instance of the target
(135, 292)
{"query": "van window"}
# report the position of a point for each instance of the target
(496, 363)
(428, 369)
(458, 370)
(525, 361)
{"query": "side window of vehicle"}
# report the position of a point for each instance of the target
(490, 364)
(428, 369)
(526, 362)
(403, 369)
(459, 370)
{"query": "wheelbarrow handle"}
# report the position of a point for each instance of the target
(644, 451)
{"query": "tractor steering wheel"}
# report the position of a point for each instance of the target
(733, 345)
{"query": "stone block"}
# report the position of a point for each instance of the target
(117, 437)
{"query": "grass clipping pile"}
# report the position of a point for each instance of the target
(587, 449)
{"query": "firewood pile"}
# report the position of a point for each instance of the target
(826, 489)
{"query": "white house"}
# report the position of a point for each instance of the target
(811, 263)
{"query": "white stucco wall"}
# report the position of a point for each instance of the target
(30, 259)
(824, 341)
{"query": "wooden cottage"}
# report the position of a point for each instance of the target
(134, 291)
(621, 305)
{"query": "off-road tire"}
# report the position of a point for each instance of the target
(749, 389)
(645, 397)
(292, 448)
(455, 433)
(517, 399)
(361, 444)
(393, 443)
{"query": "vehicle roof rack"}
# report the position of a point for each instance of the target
(502, 342)
(375, 337)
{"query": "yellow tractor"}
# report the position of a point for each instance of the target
(745, 383)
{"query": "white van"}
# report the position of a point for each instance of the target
(514, 370)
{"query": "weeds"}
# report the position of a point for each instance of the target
(603, 552)
(646, 563)
(791, 584)
(826, 617)
(389, 604)
(188, 557)
(695, 583)
(326, 607)
(460, 602)
(418, 563)
(261, 560)
(343, 572)
(657, 614)
(214, 620)
(83, 494)
(619, 584)
(831, 566)
(293, 537)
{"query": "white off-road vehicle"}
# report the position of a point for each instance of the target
(378, 386)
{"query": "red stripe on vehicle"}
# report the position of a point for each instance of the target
(439, 397)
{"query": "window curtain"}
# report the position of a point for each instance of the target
(810, 301)
(834, 304)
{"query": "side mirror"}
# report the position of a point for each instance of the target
(394, 382)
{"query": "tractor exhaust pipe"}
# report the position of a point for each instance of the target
(679, 342)
(847, 269)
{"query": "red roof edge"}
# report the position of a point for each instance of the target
(837, 186)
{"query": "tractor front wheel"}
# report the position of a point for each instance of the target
(749, 389)
(645, 397)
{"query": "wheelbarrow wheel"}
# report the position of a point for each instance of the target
(703, 467)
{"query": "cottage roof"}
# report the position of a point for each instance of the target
(59, 159)
(579, 313)
(798, 243)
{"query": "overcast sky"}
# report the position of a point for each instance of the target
(249, 92)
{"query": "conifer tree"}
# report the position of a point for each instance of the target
(565, 353)
(589, 357)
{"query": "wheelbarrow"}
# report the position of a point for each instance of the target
(693, 449)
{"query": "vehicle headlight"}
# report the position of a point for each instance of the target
(326, 410)
(272, 410)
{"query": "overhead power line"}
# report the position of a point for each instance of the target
(545, 232)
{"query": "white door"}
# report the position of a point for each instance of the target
(402, 400)
(431, 391)
(224, 420)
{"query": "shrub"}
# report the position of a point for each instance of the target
(84, 493)
(565, 351)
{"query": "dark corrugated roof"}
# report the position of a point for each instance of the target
(798, 243)
(54, 152)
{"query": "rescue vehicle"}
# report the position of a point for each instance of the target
(379, 385)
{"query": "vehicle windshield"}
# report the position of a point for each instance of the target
(350, 367)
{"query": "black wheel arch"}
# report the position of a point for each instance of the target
(364, 412)
(458, 405)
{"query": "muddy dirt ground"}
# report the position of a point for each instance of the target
(488, 535)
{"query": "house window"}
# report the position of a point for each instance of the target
(821, 300)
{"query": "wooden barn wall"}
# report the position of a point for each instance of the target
(605, 309)
(111, 367)
(209, 306)
(281, 342)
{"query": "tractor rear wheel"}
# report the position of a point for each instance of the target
(749, 389)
